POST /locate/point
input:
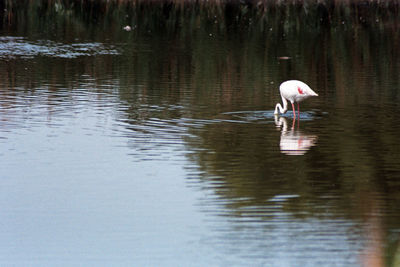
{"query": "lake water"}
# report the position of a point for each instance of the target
(158, 147)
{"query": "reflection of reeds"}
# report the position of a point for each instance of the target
(172, 13)
(221, 55)
(204, 38)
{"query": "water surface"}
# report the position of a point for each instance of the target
(154, 148)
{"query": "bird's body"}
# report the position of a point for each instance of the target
(295, 92)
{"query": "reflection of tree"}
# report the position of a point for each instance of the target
(242, 165)
(199, 63)
(246, 164)
(225, 52)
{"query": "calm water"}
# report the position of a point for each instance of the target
(161, 149)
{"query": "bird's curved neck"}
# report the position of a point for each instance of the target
(279, 108)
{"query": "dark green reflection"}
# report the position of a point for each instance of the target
(187, 64)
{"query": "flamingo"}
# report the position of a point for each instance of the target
(294, 91)
(294, 142)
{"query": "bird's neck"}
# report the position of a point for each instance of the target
(279, 108)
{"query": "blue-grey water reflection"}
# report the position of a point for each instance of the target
(161, 149)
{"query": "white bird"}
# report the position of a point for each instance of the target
(295, 92)
(293, 141)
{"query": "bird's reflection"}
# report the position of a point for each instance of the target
(293, 141)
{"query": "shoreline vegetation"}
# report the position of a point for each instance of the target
(246, 44)
(177, 14)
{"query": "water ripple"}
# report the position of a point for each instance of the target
(263, 115)
(12, 47)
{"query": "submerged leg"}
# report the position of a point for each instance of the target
(294, 111)
(298, 110)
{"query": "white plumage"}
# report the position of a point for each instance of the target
(295, 92)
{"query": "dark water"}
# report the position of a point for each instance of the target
(160, 148)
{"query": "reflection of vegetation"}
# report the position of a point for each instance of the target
(215, 57)
(209, 57)
(213, 16)
(212, 56)
(225, 14)
(225, 44)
